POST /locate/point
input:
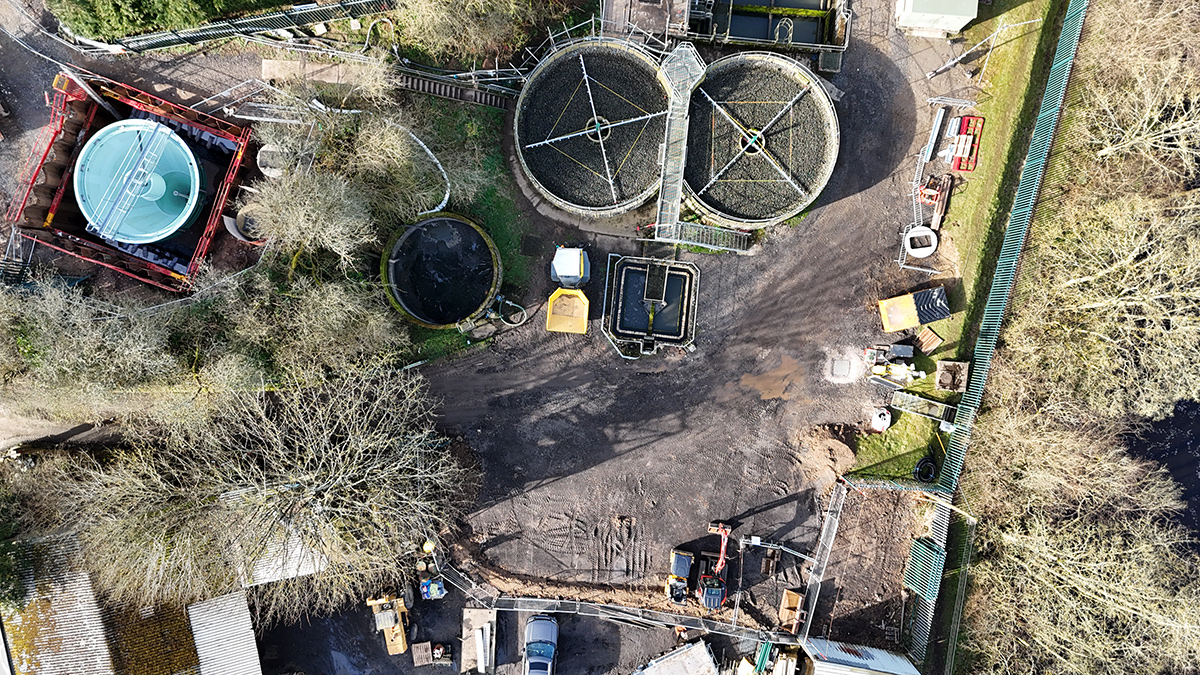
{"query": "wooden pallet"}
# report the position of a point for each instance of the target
(966, 148)
(928, 341)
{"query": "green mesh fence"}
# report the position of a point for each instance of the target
(923, 573)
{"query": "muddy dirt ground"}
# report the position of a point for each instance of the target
(595, 467)
(860, 599)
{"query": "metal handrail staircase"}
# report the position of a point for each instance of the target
(445, 87)
(706, 236)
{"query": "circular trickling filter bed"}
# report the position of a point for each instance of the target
(588, 126)
(762, 140)
(441, 271)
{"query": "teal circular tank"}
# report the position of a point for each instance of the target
(137, 182)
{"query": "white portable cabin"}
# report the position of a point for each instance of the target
(935, 16)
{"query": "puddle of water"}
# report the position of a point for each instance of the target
(342, 665)
(774, 383)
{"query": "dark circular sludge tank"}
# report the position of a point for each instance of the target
(441, 271)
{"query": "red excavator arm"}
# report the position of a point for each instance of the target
(723, 530)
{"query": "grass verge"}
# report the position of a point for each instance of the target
(430, 344)
(493, 205)
(895, 452)
(1015, 78)
(112, 19)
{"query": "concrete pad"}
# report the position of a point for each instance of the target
(474, 619)
(333, 73)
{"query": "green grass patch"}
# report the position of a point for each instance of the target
(895, 452)
(1015, 77)
(430, 344)
(497, 212)
(111, 19)
(494, 205)
(783, 11)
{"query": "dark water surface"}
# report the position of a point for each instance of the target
(441, 271)
(1175, 442)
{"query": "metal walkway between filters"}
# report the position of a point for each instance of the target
(695, 234)
(684, 69)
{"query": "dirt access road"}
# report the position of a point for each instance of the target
(595, 467)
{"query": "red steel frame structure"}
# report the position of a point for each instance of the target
(67, 91)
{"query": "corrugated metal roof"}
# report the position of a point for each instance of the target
(285, 556)
(931, 305)
(839, 658)
(60, 628)
(690, 659)
(224, 636)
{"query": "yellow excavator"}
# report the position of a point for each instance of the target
(391, 617)
(677, 580)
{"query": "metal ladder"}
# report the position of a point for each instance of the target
(918, 405)
(228, 100)
(14, 267)
(130, 178)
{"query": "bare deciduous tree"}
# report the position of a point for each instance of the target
(1084, 597)
(1080, 568)
(306, 211)
(471, 29)
(1136, 109)
(67, 355)
(1108, 308)
(350, 478)
(308, 328)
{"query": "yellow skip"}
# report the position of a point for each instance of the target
(567, 311)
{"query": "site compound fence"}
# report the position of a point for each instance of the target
(490, 598)
(925, 574)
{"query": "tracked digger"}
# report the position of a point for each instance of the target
(711, 589)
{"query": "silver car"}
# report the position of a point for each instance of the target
(541, 645)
